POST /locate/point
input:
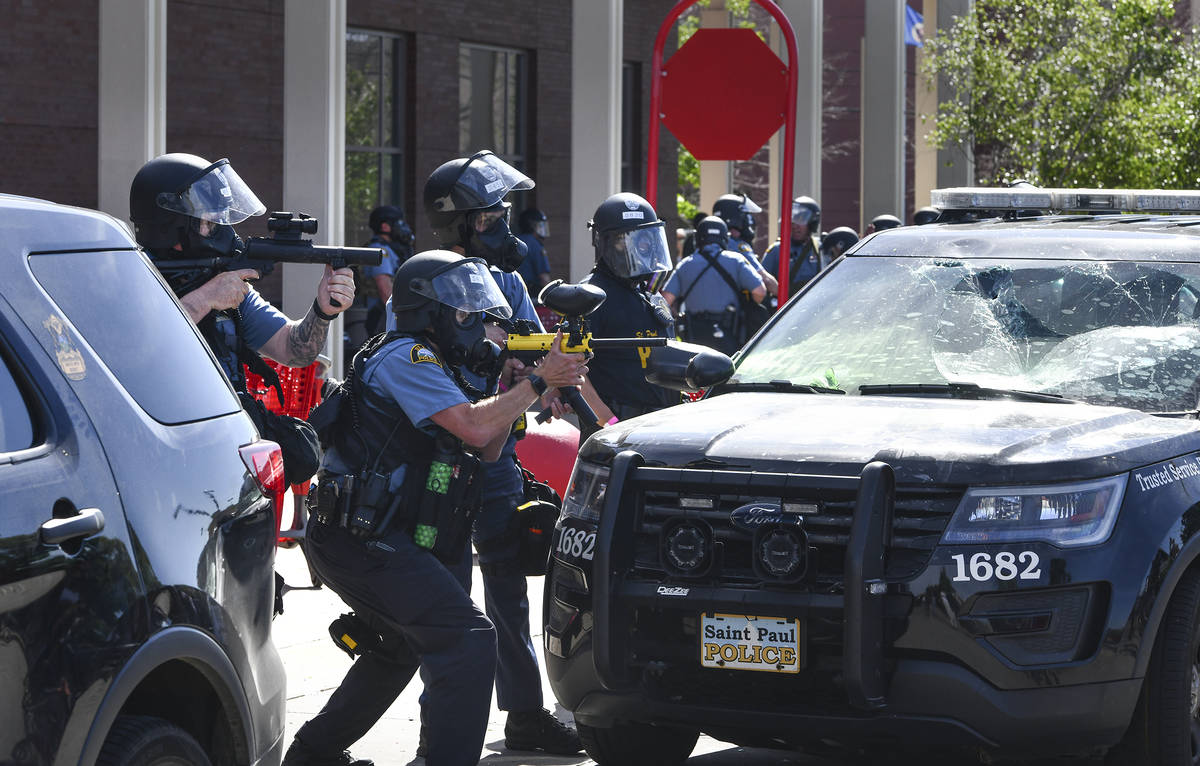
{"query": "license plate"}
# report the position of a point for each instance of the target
(744, 642)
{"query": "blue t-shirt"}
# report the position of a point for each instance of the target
(705, 289)
(259, 323)
(414, 378)
(535, 263)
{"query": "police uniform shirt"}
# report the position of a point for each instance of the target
(412, 376)
(805, 263)
(619, 374)
(259, 322)
(387, 265)
(535, 263)
(746, 250)
(705, 289)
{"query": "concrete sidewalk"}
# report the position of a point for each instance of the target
(315, 667)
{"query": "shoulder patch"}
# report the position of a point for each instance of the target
(420, 353)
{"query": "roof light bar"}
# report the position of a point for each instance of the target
(1067, 200)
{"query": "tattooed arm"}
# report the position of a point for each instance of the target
(297, 344)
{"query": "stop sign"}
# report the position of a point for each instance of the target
(724, 93)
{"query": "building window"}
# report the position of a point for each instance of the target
(631, 128)
(493, 99)
(374, 127)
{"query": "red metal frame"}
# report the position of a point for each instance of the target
(789, 129)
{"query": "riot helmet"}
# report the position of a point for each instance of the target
(533, 221)
(925, 215)
(838, 241)
(885, 221)
(464, 200)
(712, 230)
(629, 238)
(737, 211)
(443, 292)
(805, 212)
(185, 200)
(389, 214)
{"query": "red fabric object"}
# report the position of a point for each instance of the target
(549, 450)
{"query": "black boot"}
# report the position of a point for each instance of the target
(300, 754)
(540, 730)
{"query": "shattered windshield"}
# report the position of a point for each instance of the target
(1119, 333)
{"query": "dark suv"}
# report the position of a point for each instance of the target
(137, 515)
(950, 497)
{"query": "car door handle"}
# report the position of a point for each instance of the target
(87, 522)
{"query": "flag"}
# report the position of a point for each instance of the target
(914, 28)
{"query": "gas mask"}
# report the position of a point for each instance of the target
(221, 240)
(461, 337)
(493, 241)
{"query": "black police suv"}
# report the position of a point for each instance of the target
(137, 515)
(949, 497)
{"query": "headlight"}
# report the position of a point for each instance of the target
(1060, 514)
(585, 496)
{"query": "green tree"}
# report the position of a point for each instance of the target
(1082, 93)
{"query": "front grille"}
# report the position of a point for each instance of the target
(920, 517)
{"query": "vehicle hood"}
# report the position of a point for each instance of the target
(944, 441)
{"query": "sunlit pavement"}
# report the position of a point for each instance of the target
(315, 667)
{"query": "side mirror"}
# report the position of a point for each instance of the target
(687, 367)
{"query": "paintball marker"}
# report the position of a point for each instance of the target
(574, 303)
(262, 253)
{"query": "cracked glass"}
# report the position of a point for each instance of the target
(1117, 332)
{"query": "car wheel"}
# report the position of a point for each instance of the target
(633, 744)
(1165, 730)
(138, 740)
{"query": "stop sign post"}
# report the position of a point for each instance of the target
(726, 61)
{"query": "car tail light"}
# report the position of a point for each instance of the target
(264, 460)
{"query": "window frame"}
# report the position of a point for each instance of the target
(520, 158)
(396, 154)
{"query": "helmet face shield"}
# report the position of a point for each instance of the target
(749, 206)
(219, 195)
(636, 252)
(483, 182)
(466, 285)
(801, 214)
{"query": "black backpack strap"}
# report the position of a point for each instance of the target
(737, 291)
(696, 281)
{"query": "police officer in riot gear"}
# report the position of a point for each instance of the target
(405, 466)
(709, 290)
(390, 233)
(925, 215)
(532, 229)
(882, 222)
(632, 260)
(738, 211)
(805, 260)
(837, 242)
(184, 207)
(464, 199)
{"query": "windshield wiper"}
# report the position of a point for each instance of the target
(960, 391)
(782, 386)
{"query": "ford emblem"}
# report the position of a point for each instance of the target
(754, 515)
